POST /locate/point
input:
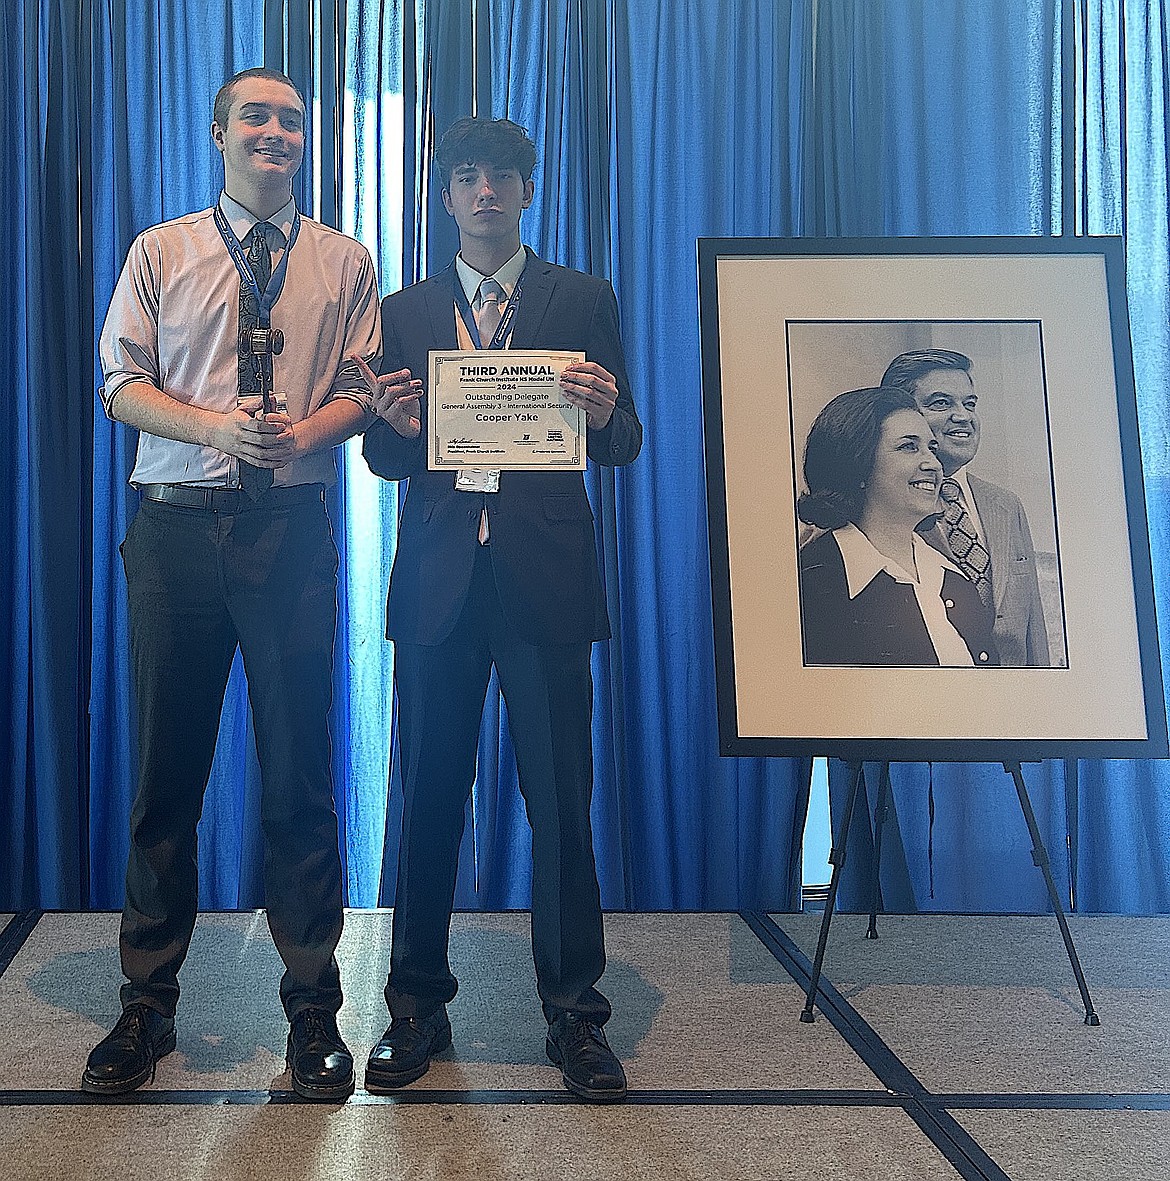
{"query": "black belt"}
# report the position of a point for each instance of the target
(231, 500)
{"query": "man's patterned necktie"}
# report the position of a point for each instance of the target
(255, 480)
(970, 555)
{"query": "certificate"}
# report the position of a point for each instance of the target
(502, 409)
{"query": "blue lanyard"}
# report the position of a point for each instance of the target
(505, 324)
(266, 299)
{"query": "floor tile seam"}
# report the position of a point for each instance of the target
(961, 1150)
(483, 1097)
(15, 935)
(857, 1033)
(1053, 1101)
(802, 1097)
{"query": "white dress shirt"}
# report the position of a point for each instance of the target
(174, 322)
(469, 278)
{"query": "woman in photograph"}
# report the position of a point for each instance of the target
(873, 589)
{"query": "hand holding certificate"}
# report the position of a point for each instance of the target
(503, 409)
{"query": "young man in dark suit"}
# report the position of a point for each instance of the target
(497, 568)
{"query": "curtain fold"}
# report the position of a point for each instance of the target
(45, 497)
(705, 100)
(950, 134)
(1123, 186)
(371, 200)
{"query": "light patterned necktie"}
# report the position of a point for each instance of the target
(487, 320)
(487, 313)
(970, 555)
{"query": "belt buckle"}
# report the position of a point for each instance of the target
(225, 500)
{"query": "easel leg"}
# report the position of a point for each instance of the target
(837, 860)
(879, 820)
(1040, 857)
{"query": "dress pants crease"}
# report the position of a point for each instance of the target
(548, 693)
(200, 583)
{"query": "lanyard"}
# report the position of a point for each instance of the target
(505, 325)
(266, 299)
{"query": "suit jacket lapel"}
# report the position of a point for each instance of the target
(441, 309)
(537, 291)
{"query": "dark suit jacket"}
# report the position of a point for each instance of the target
(883, 624)
(543, 551)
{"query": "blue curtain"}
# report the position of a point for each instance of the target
(44, 454)
(1123, 187)
(656, 124)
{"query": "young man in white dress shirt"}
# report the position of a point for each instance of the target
(232, 547)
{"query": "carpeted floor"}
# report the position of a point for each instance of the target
(949, 1047)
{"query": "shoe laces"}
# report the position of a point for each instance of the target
(318, 1025)
(579, 1030)
(134, 1020)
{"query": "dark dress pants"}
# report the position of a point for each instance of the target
(548, 690)
(201, 582)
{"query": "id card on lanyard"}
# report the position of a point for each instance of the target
(266, 299)
(480, 479)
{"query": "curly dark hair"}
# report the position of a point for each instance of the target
(839, 453)
(485, 141)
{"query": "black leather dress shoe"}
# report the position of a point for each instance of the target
(406, 1049)
(588, 1066)
(321, 1064)
(125, 1057)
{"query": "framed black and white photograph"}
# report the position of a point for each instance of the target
(928, 532)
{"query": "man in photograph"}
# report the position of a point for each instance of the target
(232, 548)
(983, 526)
(497, 569)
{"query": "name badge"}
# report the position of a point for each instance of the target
(477, 479)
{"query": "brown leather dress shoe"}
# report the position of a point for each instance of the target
(588, 1066)
(125, 1058)
(406, 1049)
(321, 1064)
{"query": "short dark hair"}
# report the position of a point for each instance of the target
(222, 107)
(906, 369)
(474, 140)
(840, 451)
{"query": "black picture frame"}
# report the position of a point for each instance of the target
(777, 315)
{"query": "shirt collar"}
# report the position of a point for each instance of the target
(242, 221)
(863, 563)
(960, 478)
(507, 276)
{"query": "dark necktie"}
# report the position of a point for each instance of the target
(255, 480)
(970, 555)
